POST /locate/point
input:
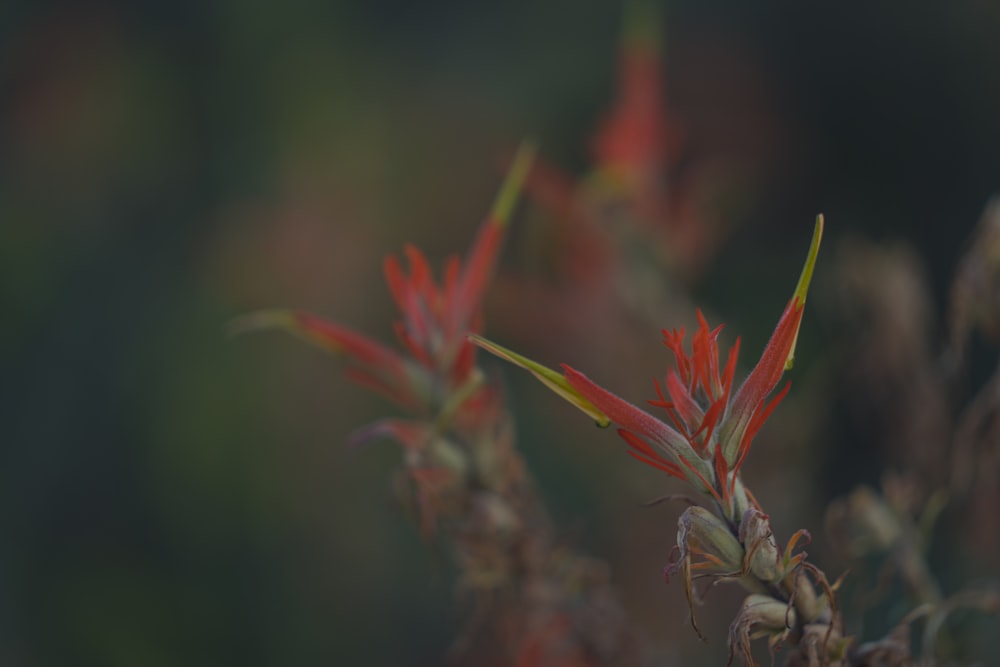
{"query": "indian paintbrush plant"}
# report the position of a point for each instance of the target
(711, 424)
(638, 222)
(534, 601)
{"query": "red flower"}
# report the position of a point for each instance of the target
(711, 425)
(435, 317)
(638, 136)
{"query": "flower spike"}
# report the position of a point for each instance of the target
(439, 364)
(713, 424)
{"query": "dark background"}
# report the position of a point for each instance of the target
(168, 496)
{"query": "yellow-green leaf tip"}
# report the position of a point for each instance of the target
(802, 289)
(550, 378)
(807, 271)
(513, 183)
(642, 25)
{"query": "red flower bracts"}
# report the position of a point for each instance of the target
(711, 423)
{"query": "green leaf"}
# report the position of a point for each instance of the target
(802, 289)
(512, 185)
(550, 378)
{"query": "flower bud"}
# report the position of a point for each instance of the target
(707, 547)
(760, 615)
(764, 559)
(702, 533)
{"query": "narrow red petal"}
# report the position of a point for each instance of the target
(624, 413)
(464, 362)
(420, 323)
(756, 423)
(674, 340)
(708, 485)
(661, 401)
(452, 271)
(410, 293)
(357, 346)
(765, 375)
(397, 394)
(684, 403)
(722, 476)
(415, 350)
(669, 407)
(706, 358)
(478, 271)
(635, 133)
(762, 379)
(678, 473)
(642, 451)
(422, 279)
(420, 268)
(709, 422)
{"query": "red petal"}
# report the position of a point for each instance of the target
(411, 346)
(625, 414)
(706, 357)
(674, 340)
(420, 272)
(464, 362)
(406, 292)
(755, 423)
(452, 270)
(708, 485)
(762, 379)
(709, 423)
(642, 451)
(479, 268)
(669, 407)
(684, 403)
(359, 347)
(635, 133)
(765, 375)
(722, 476)
(398, 394)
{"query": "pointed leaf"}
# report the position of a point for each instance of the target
(625, 414)
(804, 279)
(774, 361)
(480, 263)
(332, 337)
(512, 185)
(550, 378)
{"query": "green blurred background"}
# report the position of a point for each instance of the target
(168, 496)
